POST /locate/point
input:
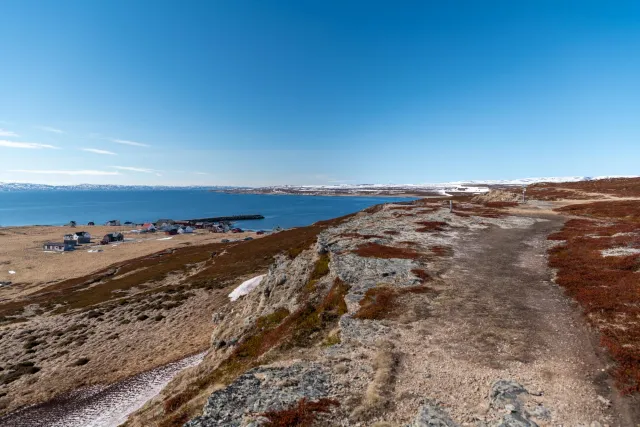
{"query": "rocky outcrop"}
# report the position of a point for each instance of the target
(266, 388)
(507, 396)
(432, 415)
(303, 334)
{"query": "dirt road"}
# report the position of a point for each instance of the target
(500, 316)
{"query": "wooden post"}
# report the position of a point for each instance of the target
(524, 194)
(450, 205)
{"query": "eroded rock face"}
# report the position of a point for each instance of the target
(266, 388)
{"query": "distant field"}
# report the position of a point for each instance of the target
(21, 251)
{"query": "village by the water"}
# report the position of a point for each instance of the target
(169, 227)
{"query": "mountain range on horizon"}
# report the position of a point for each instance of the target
(15, 186)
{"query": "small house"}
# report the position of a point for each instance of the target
(149, 226)
(171, 231)
(70, 239)
(113, 222)
(82, 237)
(112, 237)
(185, 230)
(91, 223)
(57, 247)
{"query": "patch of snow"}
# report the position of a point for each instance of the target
(101, 406)
(620, 252)
(165, 238)
(246, 287)
(12, 272)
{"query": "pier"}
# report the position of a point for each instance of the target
(224, 218)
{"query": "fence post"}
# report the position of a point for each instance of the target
(450, 206)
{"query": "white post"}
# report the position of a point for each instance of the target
(450, 205)
(524, 194)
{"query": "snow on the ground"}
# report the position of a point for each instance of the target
(102, 406)
(246, 287)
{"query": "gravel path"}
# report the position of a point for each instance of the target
(500, 316)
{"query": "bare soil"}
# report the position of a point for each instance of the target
(501, 316)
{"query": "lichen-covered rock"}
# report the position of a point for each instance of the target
(432, 415)
(266, 388)
(506, 395)
(506, 392)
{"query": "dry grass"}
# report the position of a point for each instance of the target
(379, 391)
(240, 259)
(21, 251)
(375, 250)
(607, 287)
(303, 414)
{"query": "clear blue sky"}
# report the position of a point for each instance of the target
(300, 92)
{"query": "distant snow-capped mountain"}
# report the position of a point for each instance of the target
(471, 186)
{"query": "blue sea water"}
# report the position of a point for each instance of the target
(60, 207)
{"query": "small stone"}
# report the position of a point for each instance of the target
(605, 402)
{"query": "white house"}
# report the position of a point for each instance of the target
(57, 247)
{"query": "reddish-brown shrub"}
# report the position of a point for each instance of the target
(375, 250)
(627, 210)
(379, 303)
(607, 287)
(466, 210)
(428, 226)
(621, 187)
(392, 232)
(303, 414)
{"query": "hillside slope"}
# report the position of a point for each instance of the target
(402, 314)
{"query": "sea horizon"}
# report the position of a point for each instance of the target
(47, 208)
